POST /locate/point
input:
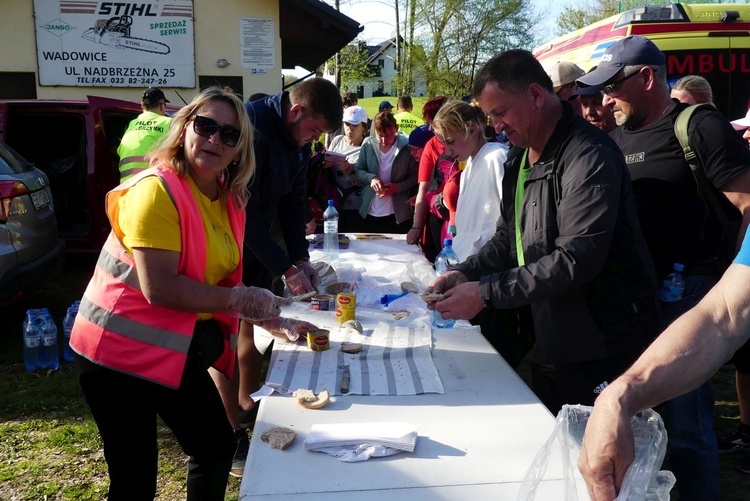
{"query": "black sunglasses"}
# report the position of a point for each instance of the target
(206, 127)
(610, 89)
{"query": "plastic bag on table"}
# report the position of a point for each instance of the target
(418, 273)
(643, 479)
(337, 277)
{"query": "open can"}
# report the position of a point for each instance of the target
(317, 340)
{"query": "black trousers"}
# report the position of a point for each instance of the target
(125, 410)
(576, 383)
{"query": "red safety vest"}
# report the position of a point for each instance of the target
(116, 326)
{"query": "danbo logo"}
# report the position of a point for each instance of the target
(57, 27)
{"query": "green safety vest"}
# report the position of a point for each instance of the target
(141, 135)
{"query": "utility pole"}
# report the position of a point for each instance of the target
(337, 58)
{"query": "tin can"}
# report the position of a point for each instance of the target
(317, 340)
(323, 302)
(346, 305)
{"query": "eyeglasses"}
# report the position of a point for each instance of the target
(207, 127)
(610, 89)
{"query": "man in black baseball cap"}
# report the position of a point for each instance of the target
(143, 133)
(679, 226)
(632, 50)
(153, 96)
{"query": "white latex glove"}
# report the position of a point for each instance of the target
(255, 303)
(290, 328)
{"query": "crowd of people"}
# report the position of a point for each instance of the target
(569, 199)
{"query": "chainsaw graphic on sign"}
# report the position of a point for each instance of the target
(115, 32)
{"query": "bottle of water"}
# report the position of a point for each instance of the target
(444, 262)
(49, 357)
(673, 288)
(70, 317)
(331, 232)
(32, 338)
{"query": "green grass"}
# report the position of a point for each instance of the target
(370, 104)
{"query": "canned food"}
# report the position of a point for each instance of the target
(346, 305)
(323, 302)
(317, 340)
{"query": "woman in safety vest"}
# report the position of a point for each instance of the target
(165, 301)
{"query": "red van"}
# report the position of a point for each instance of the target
(75, 144)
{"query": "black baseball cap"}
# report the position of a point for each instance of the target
(590, 90)
(153, 95)
(635, 49)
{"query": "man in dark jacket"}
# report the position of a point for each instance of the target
(677, 225)
(275, 244)
(568, 207)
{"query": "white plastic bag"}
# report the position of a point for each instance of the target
(643, 480)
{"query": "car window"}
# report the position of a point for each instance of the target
(11, 162)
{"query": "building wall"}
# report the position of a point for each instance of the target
(217, 36)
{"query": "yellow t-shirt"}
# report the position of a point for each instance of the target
(148, 218)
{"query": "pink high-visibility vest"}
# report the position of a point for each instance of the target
(116, 326)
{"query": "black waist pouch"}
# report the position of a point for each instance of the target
(207, 344)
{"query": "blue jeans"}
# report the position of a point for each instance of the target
(691, 447)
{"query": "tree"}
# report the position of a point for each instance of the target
(461, 34)
(574, 18)
(353, 67)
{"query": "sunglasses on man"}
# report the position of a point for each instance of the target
(206, 127)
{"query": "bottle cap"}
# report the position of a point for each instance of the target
(330, 202)
(679, 267)
(448, 242)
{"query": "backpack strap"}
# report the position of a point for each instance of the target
(706, 190)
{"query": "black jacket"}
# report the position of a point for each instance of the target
(277, 190)
(588, 275)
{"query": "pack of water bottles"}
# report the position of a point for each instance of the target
(40, 339)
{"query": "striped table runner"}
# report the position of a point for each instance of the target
(395, 360)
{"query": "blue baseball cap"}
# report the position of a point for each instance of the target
(384, 104)
(635, 49)
(420, 135)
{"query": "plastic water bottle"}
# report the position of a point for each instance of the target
(673, 288)
(49, 357)
(70, 317)
(444, 262)
(32, 338)
(331, 231)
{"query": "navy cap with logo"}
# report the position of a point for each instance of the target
(420, 135)
(385, 105)
(153, 95)
(632, 50)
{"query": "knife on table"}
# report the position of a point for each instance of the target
(345, 379)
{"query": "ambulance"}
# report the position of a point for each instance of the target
(710, 40)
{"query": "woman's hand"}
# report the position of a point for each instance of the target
(255, 303)
(346, 167)
(387, 190)
(288, 328)
(413, 236)
(377, 185)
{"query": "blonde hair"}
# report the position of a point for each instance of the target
(457, 116)
(237, 175)
(697, 86)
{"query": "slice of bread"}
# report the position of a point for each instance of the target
(432, 298)
(279, 437)
(318, 403)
